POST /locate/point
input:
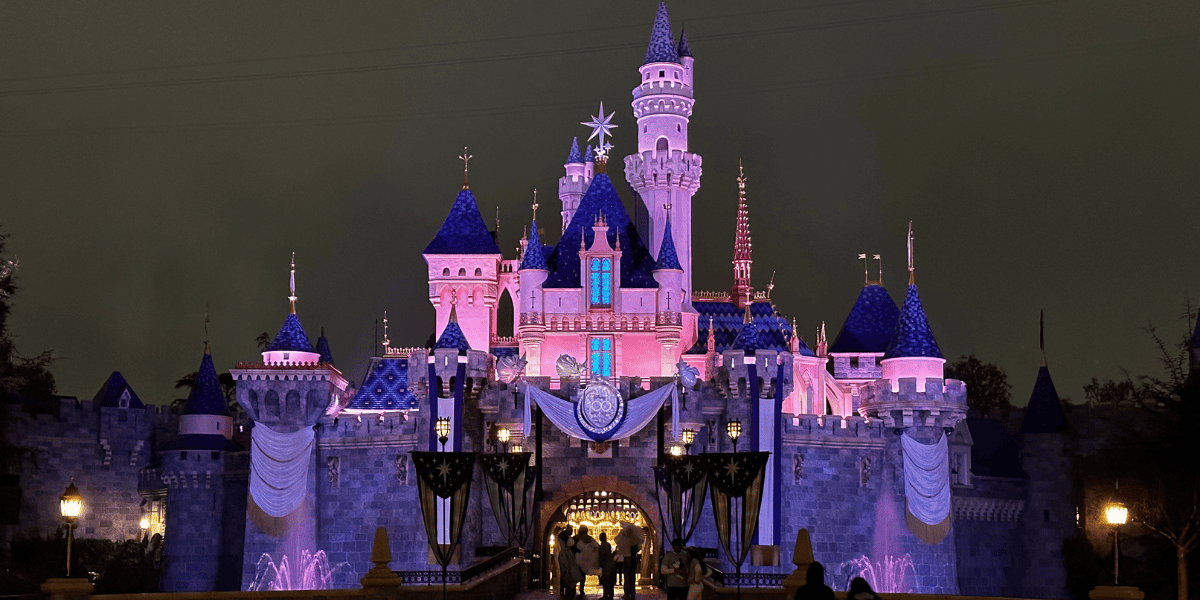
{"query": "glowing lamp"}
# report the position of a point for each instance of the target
(687, 436)
(1116, 513)
(517, 448)
(503, 435)
(144, 523)
(442, 427)
(676, 450)
(71, 503)
(734, 429)
(71, 506)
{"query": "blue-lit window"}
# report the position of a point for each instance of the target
(601, 282)
(602, 356)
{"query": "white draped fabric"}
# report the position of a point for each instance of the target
(279, 468)
(926, 479)
(638, 411)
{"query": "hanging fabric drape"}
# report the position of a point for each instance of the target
(681, 485)
(736, 483)
(639, 412)
(279, 468)
(443, 475)
(927, 488)
(509, 479)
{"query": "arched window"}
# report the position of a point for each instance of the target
(661, 145)
(445, 272)
(478, 272)
(601, 281)
(462, 272)
(601, 348)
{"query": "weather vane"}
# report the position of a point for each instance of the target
(601, 126)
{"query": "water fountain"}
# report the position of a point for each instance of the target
(887, 570)
(311, 572)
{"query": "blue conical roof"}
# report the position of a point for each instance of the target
(574, 157)
(453, 336)
(590, 154)
(323, 349)
(534, 257)
(871, 322)
(207, 397)
(385, 387)
(601, 198)
(667, 258)
(913, 336)
(662, 43)
(1044, 413)
(113, 389)
(684, 50)
(464, 231)
(291, 336)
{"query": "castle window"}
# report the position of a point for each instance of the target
(601, 348)
(462, 272)
(445, 272)
(853, 362)
(661, 145)
(601, 282)
(478, 272)
(662, 73)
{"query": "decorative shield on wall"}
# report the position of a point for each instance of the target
(600, 410)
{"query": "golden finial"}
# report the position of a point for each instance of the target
(453, 306)
(465, 158)
(911, 280)
(535, 204)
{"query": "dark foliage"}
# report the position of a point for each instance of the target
(988, 390)
(115, 567)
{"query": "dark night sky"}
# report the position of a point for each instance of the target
(155, 157)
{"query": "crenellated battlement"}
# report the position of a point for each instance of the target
(802, 429)
(664, 169)
(381, 426)
(942, 403)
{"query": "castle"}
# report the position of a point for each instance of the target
(871, 448)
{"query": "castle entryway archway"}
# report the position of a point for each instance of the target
(601, 503)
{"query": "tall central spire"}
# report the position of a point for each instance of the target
(292, 286)
(742, 249)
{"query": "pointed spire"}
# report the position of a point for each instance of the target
(323, 348)
(589, 155)
(712, 337)
(292, 286)
(387, 342)
(866, 277)
(913, 335)
(206, 397)
(742, 247)
(1044, 413)
(452, 336)
(683, 49)
(453, 306)
(1042, 336)
(822, 341)
(662, 45)
(880, 280)
(466, 158)
(206, 348)
(668, 258)
(533, 258)
(574, 157)
(911, 280)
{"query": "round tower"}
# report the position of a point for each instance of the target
(532, 274)
(663, 171)
(574, 184)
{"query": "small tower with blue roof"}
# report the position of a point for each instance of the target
(193, 468)
(463, 259)
(574, 184)
(532, 273)
(671, 296)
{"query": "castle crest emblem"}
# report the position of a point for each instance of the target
(600, 410)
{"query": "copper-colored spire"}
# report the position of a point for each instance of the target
(292, 286)
(466, 158)
(742, 247)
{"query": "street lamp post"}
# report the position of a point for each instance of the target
(734, 429)
(442, 427)
(1116, 514)
(71, 506)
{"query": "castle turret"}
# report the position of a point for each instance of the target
(912, 351)
(463, 258)
(532, 274)
(669, 275)
(193, 468)
(291, 345)
(663, 171)
(572, 186)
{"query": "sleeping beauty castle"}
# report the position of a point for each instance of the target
(593, 359)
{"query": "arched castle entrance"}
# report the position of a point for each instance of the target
(600, 502)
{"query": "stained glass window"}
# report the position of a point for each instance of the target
(602, 356)
(601, 281)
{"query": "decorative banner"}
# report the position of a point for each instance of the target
(509, 479)
(443, 475)
(927, 488)
(736, 480)
(638, 412)
(279, 468)
(681, 485)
